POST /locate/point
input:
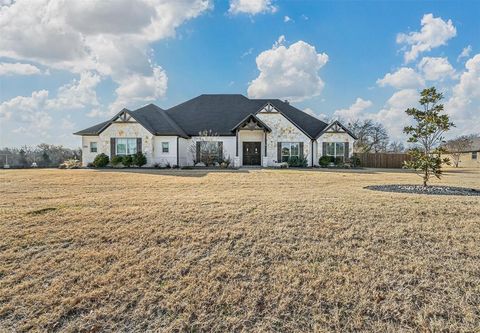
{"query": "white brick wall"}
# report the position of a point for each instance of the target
(333, 137)
(283, 131)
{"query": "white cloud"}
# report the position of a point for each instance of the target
(78, 94)
(140, 88)
(464, 103)
(67, 124)
(288, 72)
(465, 52)
(17, 68)
(251, 7)
(355, 111)
(434, 69)
(286, 19)
(393, 115)
(28, 111)
(321, 116)
(404, 77)
(108, 37)
(435, 32)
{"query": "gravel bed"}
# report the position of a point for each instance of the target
(419, 189)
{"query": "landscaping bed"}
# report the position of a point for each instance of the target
(432, 190)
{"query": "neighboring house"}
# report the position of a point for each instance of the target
(259, 132)
(470, 156)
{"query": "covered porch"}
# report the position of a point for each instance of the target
(251, 142)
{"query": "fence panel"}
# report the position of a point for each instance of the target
(382, 160)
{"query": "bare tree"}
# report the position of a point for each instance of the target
(372, 136)
(459, 145)
(396, 147)
(206, 149)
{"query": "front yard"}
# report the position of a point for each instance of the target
(253, 250)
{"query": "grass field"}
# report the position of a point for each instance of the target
(265, 250)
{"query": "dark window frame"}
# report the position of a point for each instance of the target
(93, 149)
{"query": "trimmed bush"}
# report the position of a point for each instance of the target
(101, 161)
(139, 159)
(299, 162)
(324, 161)
(338, 161)
(127, 161)
(116, 160)
(354, 161)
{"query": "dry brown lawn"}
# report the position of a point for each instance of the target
(265, 250)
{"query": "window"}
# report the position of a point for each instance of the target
(93, 147)
(165, 147)
(290, 149)
(209, 152)
(126, 146)
(336, 149)
(474, 155)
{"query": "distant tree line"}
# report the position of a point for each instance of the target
(373, 138)
(44, 155)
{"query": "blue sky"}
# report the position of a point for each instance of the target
(335, 59)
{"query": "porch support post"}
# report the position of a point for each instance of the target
(265, 143)
(236, 143)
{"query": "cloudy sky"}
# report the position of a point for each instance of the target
(66, 65)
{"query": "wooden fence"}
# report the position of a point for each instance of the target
(382, 160)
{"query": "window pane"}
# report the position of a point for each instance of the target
(164, 147)
(340, 149)
(331, 148)
(285, 149)
(132, 146)
(121, 148)
(294, 149)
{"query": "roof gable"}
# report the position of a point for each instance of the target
(336, 127)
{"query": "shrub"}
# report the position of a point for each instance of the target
(90, 165)
(116, 160)
(101, 161)
(127, 161)
(338, 161)
(354, 161)
(139, 159)
(324, 161)
(226, 162)
(300, 162)
(70, 164)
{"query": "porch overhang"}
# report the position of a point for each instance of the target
(251, 123)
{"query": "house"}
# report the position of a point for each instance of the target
(468, 157)
(251, 132)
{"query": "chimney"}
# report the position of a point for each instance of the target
(286, 101)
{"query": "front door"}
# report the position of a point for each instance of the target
(251, 153)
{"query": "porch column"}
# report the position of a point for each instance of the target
(265, 143)
(236, 143)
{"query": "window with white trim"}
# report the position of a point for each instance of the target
(125, 146)
(336, 149)
(93, 147)
(290, 149)
(165, 147)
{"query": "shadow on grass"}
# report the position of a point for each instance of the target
(199, 172)
(173, 172)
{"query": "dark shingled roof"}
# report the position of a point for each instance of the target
(218, 113)
(92, 130)
(154, 119)
(157, 121)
